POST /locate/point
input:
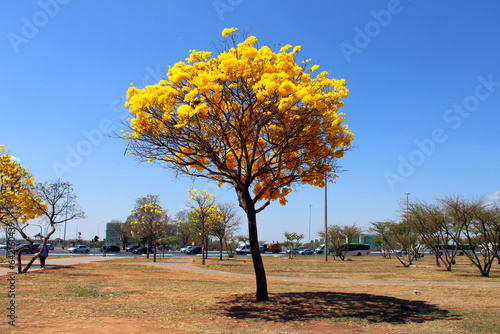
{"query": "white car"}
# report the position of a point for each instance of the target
(306, 251)
(185, 249)
(79, 249)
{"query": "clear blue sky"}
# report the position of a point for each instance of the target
(424, 81)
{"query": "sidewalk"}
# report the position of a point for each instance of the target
(54, 262)
(185, 264)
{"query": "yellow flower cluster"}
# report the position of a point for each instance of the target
(221, 98)
(17, 191)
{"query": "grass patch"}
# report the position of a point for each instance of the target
(88, 297)
(366, 267)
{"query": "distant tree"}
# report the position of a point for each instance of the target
(336, 238)
(226, 223)
(57, 202)
(400, 238)
(182, 227)
(292, 241)
(241, 238)
(149, 221)
(350, 232)
(431, 223)
(204, 213)
(124, 231)
(479, 224)
(167, 241)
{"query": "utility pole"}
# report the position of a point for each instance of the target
(407, 206)
(310, 205)
(326, 224)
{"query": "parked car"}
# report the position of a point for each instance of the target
(320, 249)
(2, 246)
(194, 250)
(143, 250)
(131, 248)
(243, 248)
(79, 249)
(306, 251)
(37, 246)
(110, 249)
(26, 248)
(184, 249)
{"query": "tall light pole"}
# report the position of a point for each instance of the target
(66, 216)
(326, 224)
(310, 205)
(41, 236)
(407, 206)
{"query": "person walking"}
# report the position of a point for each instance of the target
(104, 250)
(43, 255)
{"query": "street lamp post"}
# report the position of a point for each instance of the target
(407, 206)
(66, 216)
(310, 205)
(326, 224)
(40, 226)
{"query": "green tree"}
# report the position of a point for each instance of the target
(292, 241)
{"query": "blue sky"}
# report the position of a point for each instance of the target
(424, 102)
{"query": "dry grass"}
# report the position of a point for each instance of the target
(87, 298)
(367, 267)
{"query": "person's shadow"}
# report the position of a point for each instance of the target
(325, 305)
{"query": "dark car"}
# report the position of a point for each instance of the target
(111, 249)
(143, 250)
(194, 250)
(26, 248)
(132, 248)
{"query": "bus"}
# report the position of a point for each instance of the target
(355, 249)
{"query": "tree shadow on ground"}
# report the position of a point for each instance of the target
(303, 306)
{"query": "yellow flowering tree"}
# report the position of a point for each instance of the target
(148, 221)
(251, 117)
(203, 213)
(21, 200)
(17, 190)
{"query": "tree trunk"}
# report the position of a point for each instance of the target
(154, 255)
(221, 245)
(260, 274)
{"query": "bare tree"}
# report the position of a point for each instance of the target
(292, 241)
(479, 225)
(226, 223)
(430, 222)
(57, 201)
